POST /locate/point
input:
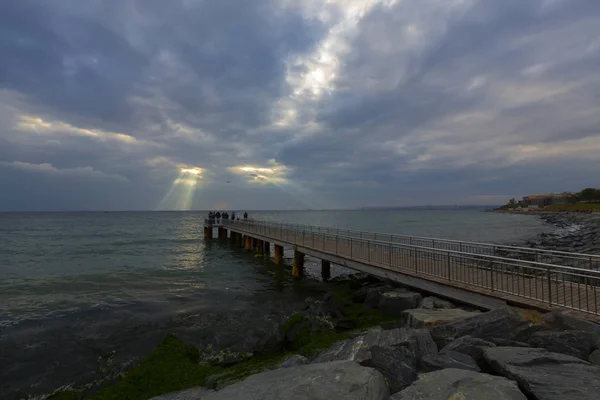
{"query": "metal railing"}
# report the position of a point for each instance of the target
(576, 260)
(555, 285)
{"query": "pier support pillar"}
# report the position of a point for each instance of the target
(325, 270)
(208, 232)
(248, 242)
(266, 247)
(259, 247)
(278, 254)
(298, 266)
(222, 233)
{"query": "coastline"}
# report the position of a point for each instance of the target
(374, 339)
(571, 232)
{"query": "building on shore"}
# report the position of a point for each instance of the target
(543, 200)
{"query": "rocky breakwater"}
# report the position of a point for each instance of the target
(369, 339)
(576, 232)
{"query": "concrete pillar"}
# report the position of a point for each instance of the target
(278, 254)
(248, 243)
(222, 233)
(208, 232)
(259, 246)
(325, 270)
(266, 247)
(298, 266)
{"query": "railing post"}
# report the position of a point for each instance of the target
(368, 250)
(390, 249)
(591, 264)
(448, 266)
(549, 286)
(492, 277)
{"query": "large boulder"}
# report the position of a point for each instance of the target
(373, 294)
(574, 343)
(433, 303)
(543, 375)
(398, 365)
(506, 322)
(377, 289)
(458, 384)
(567, 322)
(396, 301)
(448, 359)
(358, 348)
(324, 381)
(423, 318)
(594, 358)
(468, 345)
(293, 361)
(195, 393)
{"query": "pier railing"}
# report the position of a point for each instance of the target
(569, 259)
(551, 284)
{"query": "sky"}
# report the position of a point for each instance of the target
(295, 104)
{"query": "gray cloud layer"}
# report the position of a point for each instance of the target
(137, 104)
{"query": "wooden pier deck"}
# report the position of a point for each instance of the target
(480, 279)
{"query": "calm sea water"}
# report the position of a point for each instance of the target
(75, 285)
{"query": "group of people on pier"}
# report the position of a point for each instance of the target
(215, 217)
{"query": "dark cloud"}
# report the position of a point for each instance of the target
(296, 105)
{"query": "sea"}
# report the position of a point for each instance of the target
(86, 292)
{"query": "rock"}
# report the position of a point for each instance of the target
(594, 358)
(508, 343)
(568, 322)
(423, 318)
(344, 324)
(324, 381)
(358, 348)
(396, 301)
(195, 393)
(294, 361)
(459, 384)
(448, 359)
(432, 303)
(543, 375)
(574, 343)
(360, 295)
(373, 295)
(506, 322)
(467, 345)
(224, 357)
(398, 365)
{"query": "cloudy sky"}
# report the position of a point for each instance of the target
(287, 104)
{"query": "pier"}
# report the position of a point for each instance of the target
(483, 275)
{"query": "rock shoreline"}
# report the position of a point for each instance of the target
(575, 232)
(451, 352)
(367, 338)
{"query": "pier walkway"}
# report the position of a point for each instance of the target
(484, 275)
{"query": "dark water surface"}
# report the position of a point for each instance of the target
(76, 286)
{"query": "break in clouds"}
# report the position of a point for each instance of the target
(266, 104)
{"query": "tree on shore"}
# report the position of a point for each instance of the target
(589, 195)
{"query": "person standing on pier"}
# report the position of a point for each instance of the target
(218, 215)
(245, 215)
